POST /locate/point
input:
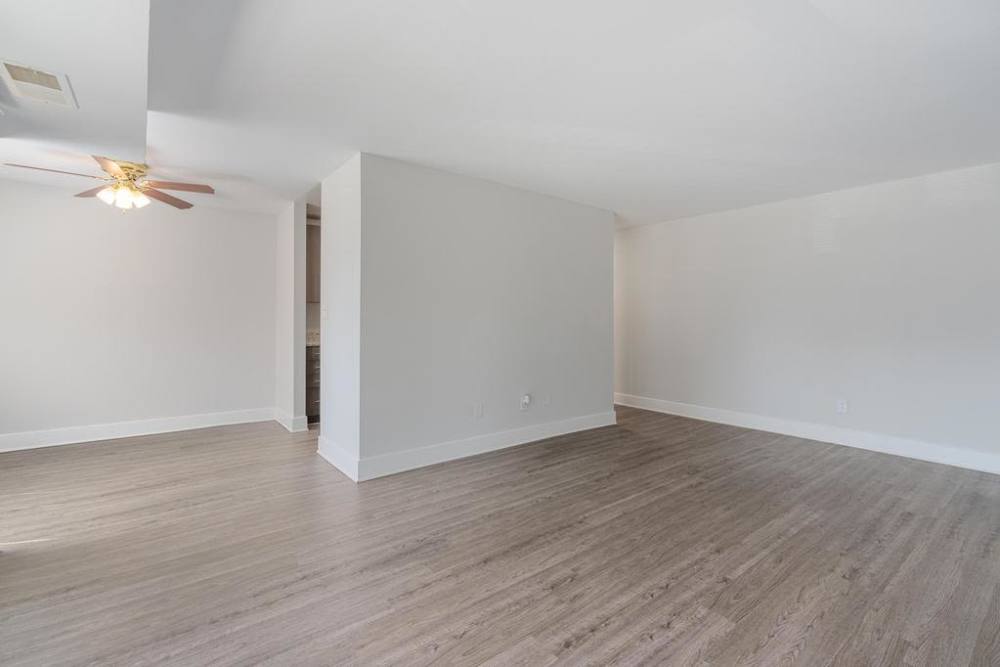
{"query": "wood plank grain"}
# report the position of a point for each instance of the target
(662, 540)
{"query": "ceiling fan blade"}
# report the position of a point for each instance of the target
(109, 166)
(54, 171)
(167, 199)
(90, 193)
(189, 187)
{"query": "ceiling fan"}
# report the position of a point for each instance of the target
(126, 185)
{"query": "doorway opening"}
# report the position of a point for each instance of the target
(312, 379)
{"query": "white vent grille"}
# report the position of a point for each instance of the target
(36, 85)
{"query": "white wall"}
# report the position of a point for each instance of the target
(473, 294)
(886, 296)
(111, 317)
(340, 317)
(290, 317)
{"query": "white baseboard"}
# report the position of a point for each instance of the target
(65, 436)
(338, 457)
(291, 424)
(876, 442)
(387, 464)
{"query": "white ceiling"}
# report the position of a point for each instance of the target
(105, 61)
(657, 110)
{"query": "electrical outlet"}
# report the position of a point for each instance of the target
(842, 406)
(525, 402)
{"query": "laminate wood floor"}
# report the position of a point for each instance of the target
(661, 540)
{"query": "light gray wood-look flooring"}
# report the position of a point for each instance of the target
(662, 540)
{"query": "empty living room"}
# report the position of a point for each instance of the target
(499, 333)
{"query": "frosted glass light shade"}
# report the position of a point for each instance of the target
(107, 195)
(123, 198)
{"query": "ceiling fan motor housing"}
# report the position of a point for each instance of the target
(133, 170)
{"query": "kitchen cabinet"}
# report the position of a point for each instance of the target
(312, 383)
(312, 263)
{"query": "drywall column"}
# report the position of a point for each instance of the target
(340, 318)
(290, 317)
(461, 316)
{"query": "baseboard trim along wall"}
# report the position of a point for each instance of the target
(75, 434)
(291, 424)
(338, 457)
(387, 464)
(887, 444)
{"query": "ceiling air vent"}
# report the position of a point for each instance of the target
(38, 86)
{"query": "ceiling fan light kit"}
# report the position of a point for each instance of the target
(123, 196)
(127, 186)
